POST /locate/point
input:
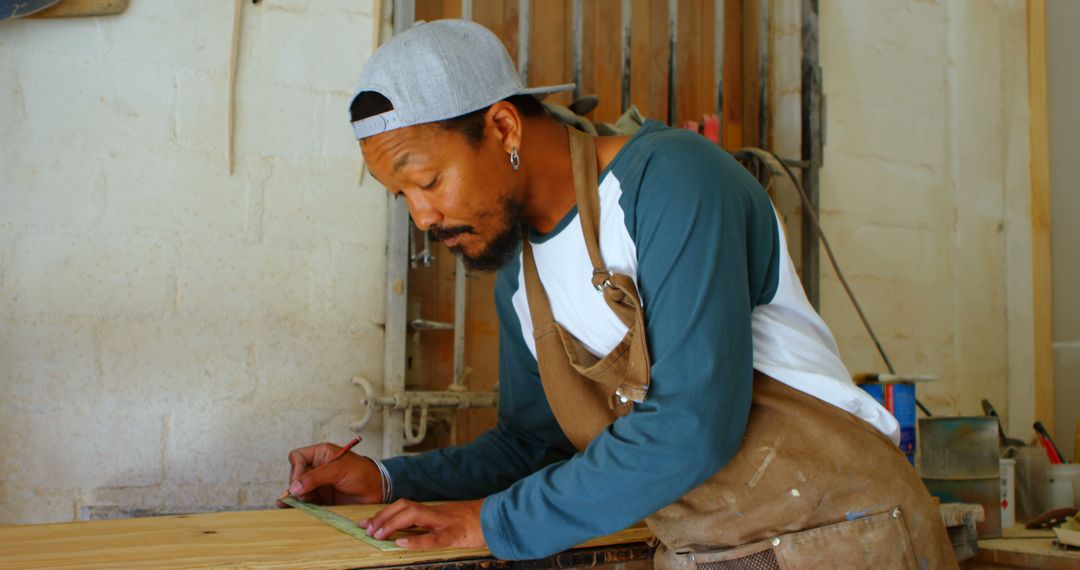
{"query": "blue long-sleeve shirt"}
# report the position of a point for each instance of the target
(701, 238)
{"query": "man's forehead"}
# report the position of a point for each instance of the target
(403, 147)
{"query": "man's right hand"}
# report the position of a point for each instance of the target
(349, 480)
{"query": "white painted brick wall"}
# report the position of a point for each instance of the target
(914, 191)
(167, 331)
(106, 276)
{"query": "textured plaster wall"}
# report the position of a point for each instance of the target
(1063, 84)
(168, 331)
(926, 194)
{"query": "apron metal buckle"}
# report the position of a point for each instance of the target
(627, 393)
(606, 283)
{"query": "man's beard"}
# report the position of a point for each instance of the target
(499, 250)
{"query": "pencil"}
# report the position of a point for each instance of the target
(341, 453)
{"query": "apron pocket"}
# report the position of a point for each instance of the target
(877, 541)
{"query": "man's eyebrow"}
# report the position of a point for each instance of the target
(401, 162)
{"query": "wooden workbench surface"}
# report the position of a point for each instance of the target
(253, 539)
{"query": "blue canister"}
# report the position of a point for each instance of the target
(899, 399)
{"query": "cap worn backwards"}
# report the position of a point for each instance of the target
(439, 70)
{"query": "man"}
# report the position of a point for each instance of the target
(699, 390)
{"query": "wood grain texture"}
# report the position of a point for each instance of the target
(649, 49)
(695, 65)
(751, 73)
(551, 46)
(429, 10)
(501, 17)
(601, 57)
(731, 127)
(1040, 215)
(275, 539)
(83, 8)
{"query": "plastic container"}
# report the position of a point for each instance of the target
(1064, 485)
(1032, 483)
(899, 399)
(1008, 493)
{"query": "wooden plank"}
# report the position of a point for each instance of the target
(601, 57)
(751, 72)
(277, 539)
(501, 17)
(83, 8)
(481, 356)
(707, 76)
(649, 47)
(695, 60)
(1027, 553)
(1040, 215)
(429, 10)
(731, 128)
(550, 46)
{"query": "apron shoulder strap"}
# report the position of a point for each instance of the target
(618, 290)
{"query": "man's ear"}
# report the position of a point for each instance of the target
(504, 124)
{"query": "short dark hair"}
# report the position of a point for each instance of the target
(470, 125)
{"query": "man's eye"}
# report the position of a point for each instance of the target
(431, 184)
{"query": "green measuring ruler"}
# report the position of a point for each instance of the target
(341, 523)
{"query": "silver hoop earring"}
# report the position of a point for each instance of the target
(515, 160)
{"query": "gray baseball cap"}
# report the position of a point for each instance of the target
(439, 70)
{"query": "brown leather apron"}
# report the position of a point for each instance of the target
(811, 486)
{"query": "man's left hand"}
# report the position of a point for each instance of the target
(450, 524)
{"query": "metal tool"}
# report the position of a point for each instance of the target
(1003, 439)
(341, 523)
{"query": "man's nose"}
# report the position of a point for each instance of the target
(423, 213)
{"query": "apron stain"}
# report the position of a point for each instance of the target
(853, 515)
(761, 468)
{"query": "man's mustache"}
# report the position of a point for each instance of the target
(439, 233)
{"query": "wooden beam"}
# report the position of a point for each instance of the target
(1040, 215)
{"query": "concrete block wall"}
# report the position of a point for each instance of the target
(168, 331)
(925, 194)
(1062, 20)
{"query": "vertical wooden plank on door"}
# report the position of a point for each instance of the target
(601, 56)
(501, 17)
(707, 73)
(649, 57)
(550, 50)
(751, 72)
(429, 10)
(732, 120)
(694, 81)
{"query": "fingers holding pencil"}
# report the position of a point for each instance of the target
(327, 474)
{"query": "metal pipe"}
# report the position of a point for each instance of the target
(523, 40)
(424, 256)
(446, 399)
(415, 437)
(403, 401)
(461, 295)
(429, 325)
(397, 278)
